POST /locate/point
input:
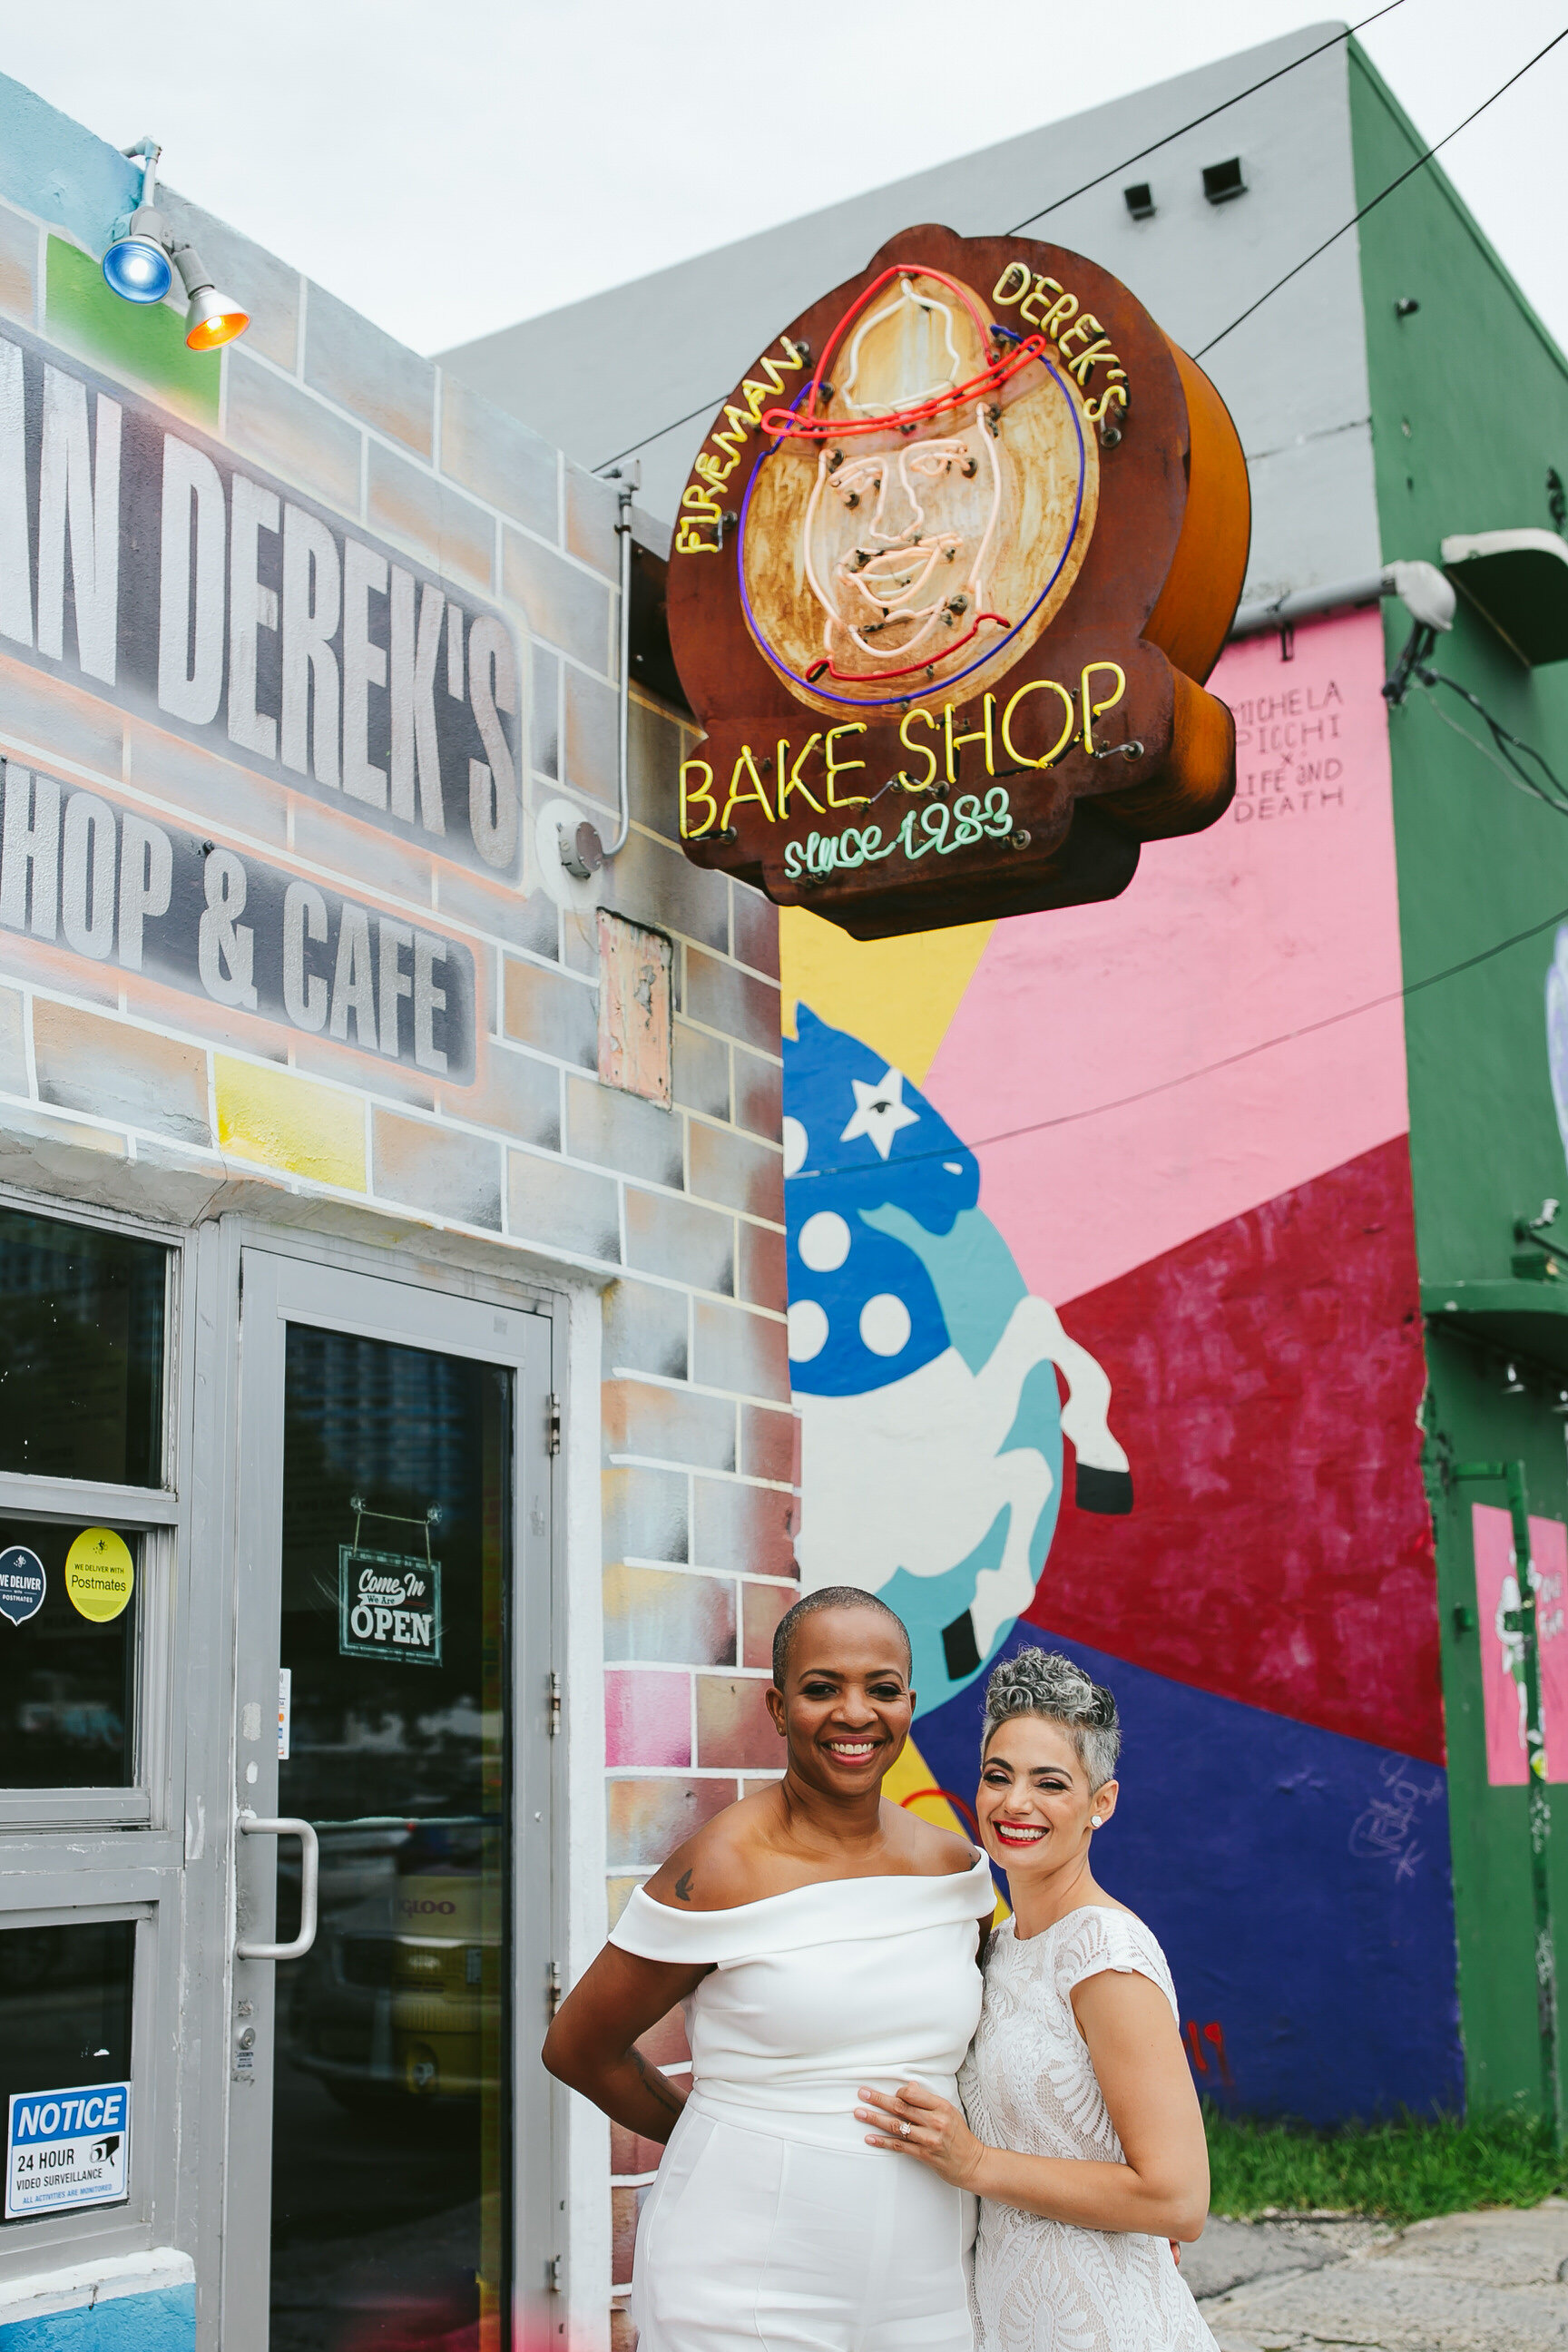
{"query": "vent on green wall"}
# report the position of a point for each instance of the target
(145, 343)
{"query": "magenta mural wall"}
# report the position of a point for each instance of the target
(1128, 1186)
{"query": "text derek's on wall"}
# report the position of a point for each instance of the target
(948, 576)
(138, 560)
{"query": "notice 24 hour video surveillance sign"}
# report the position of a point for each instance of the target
(950, 570)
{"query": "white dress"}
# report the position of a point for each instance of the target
(771, 2223)
(1028, 2084)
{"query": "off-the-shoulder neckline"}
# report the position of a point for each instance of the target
(816, 1886)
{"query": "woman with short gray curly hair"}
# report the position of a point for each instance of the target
(1079, 2132)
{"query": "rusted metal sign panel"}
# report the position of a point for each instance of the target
(950, 570)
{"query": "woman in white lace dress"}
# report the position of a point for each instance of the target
(1083, 2138)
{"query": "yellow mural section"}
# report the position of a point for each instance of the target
(897, 996)
(283, 1121)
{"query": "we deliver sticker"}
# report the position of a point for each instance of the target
(68, 2148)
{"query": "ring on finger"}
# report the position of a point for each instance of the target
(904, 2130)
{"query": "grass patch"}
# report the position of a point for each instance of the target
(1402, 2171)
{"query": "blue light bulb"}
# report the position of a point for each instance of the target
(138, 269)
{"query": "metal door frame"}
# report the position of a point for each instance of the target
(255, 1280)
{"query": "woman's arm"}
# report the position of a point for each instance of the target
(1163, 2186)
(590, 2041)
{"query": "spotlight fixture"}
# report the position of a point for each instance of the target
(1513, 1385)
(140, 268)
(137, 266)
(1562, 1405)
(212, 319)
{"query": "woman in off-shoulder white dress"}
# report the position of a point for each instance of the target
(1079, 2129)
(819, 1937)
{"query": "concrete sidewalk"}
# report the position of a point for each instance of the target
(1466, 2282)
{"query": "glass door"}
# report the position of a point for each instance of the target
(393, 1589)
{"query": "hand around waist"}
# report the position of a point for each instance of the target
(914, 2121)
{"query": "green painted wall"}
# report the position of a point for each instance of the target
(1470, 409)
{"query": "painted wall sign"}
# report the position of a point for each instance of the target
(389, 1607)
(145, 564)
(100, 1575)
(949, 573)
(22, 1583)
(106, 882)
(65, 2149)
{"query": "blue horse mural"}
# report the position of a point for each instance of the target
(924, 1371)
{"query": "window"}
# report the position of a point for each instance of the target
(82, 1352)
(65, 2026)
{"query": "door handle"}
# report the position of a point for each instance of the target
(288, 1825)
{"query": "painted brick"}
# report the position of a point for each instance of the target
(733, 1726)
(668, 1425)
(646, 1330)
(14, 1046)
(556, 1015)
(440, 1169)
(592, 506)
(700, 1071)
(759, 1095)
(763, 1267)
(649, 1819)
(19, 265)
(665, 2044)
(561, 1207)
(29, 960)
(737, 1350)
(454, 537)
(623, 2332)
(657, 746)
(500, 458)
(323, 1059)
(565, 606)
(680, 1241)
(114, 1071)
(768, 1442)
(761, 1606)
(647, 1720)
(740, 1527)
(620, 1131)
(630, 2153)
(617, 1895)
(545, 715)
(626, 2204)
(368, 373)
(655, 1617)
(21, 1127)
(366, 855)
(214, 790)
(292, 435)
(644, 1517)
(285, 1121)
(143, 344)
(580, 944)
(63, 722)
(592, 724)
(268, 287)
(732, 1001)
(756, 930)
(655, 884)
(731, 1168)
(518, 1095)
(500, 909)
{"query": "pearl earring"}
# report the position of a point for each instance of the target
(1095, 1823)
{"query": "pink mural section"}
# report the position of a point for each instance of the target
(1502, 1651)
(1134, 1073)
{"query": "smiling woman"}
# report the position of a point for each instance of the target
(820, 1935)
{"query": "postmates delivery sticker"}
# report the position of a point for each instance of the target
(100, 1574)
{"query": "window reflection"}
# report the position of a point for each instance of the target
(65, 2006)
(66, 1679)
(81, 1352)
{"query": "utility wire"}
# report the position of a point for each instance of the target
(707, 407)
(1372, 202)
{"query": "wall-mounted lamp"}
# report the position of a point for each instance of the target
(1140, 200)
(1222, 181)
(140, 268)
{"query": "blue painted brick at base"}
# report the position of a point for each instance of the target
(162, 2322)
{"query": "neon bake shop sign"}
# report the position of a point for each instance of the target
(949, 573)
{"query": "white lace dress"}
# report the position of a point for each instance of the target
(1028, 2085)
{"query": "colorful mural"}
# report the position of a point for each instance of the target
(1180, 1118)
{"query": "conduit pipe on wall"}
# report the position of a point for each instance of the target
(582, 851)
(1420, 587)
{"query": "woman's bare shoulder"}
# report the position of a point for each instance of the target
(720, 1865)
(927, 1850)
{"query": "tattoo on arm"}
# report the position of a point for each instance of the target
(655, 2085)
(683, 1886)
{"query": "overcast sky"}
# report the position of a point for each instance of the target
(449, 169)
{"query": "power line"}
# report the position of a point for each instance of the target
(1372, 202)
(1347, 32)
(707, 407)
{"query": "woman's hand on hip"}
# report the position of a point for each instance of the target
(912, 2121)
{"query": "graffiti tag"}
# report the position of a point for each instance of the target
(1385, 1829)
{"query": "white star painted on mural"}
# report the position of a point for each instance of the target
(879, 1111)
